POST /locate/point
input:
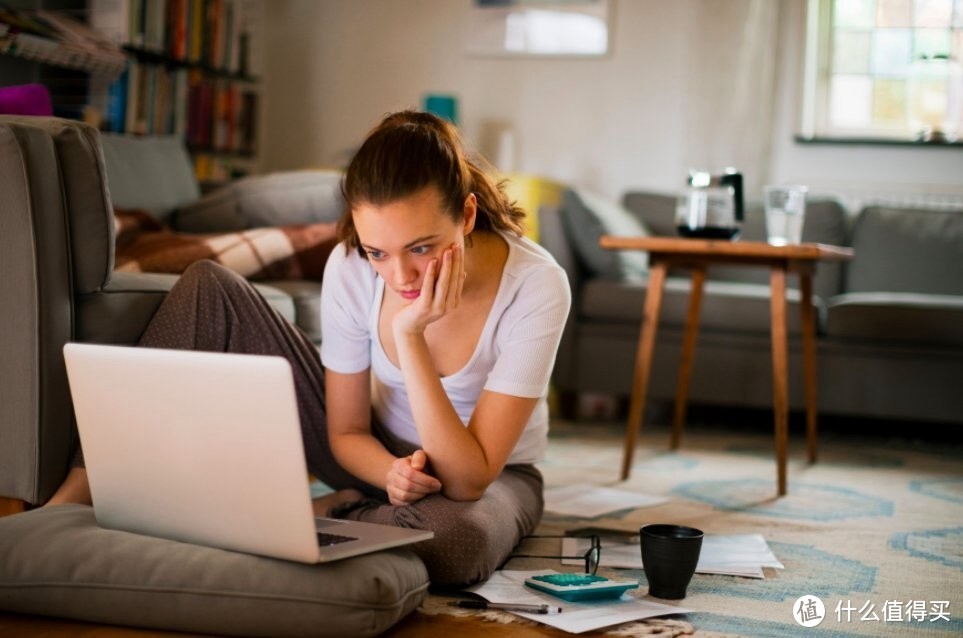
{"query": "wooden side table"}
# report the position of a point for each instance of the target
(696, 255)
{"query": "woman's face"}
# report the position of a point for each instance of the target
(402, 237)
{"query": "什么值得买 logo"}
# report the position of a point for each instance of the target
(808, 611)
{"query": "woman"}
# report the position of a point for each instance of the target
(440, 325)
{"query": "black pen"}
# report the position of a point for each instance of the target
(519, 607)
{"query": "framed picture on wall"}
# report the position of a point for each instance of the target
(539, 28)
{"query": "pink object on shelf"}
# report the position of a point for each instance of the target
(25, 99)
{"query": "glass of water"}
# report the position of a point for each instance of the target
(785, 211)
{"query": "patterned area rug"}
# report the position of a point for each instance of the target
(874, 530)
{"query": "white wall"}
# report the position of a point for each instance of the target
(333, 68)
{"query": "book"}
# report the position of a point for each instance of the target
(133, 97)
(247, 122)
(116, 112)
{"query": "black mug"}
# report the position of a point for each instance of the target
(670, 554)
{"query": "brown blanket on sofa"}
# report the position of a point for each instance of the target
(274, 253)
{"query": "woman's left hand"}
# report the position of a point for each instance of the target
(440, 293)
(408, 481)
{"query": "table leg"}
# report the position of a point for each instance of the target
(643, 360)
(688, 351)
(809, 360)
(780, 383)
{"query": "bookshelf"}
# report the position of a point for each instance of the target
(162, 67)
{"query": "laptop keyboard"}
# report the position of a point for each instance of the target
(325, 539)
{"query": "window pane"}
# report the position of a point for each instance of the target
(932, 13)
(958, 14)
(851, 52)
(892, 51)
(850, 101)
(894, 13)
(859, 14)
(958, 46)
(930, 42)
(928, 101)
(889, 102)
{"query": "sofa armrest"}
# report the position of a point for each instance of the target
(35, 315)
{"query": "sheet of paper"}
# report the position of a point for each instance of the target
(588, 501)
(737, 549)
(730, 555)
(508, 586)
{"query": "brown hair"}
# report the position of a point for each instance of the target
(410, 150)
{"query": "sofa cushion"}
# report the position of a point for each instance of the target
(729, 306)
(896, 318)
(655, 210)
(587, 217)
(57, 561)
(120, 311)
(289, 197)
(907, 250)
(306, 297)
(154, 173)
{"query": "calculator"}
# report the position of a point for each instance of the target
(576, 587)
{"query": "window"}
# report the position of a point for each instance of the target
(564, 28)
(887, 69)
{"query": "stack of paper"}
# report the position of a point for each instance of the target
(730, 555)
(507, 586)
(588, 501)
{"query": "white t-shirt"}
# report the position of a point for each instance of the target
(514, 355)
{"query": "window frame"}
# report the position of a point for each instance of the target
(815, 125)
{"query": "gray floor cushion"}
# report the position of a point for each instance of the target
(56, 561)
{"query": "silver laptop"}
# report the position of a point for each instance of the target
(205, 448)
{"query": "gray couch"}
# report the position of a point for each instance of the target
(58, 285)
(889, 322)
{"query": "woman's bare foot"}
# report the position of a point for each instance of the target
(74, 489)
(324, 505)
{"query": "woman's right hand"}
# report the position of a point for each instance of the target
(407, 481)
(441, 291)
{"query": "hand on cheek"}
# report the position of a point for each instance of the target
(440, 293)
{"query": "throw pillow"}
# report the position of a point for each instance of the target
(57, 561)
(587, 216)
(286, 197)
(297, 251)
(25, 99)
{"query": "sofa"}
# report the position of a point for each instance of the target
(155, 174)
(58, 179)
(889, 321)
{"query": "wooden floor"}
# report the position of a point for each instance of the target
(413, 626)
(11, 506)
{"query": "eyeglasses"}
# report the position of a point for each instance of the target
(591, 557)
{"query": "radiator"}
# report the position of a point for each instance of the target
(854, 199)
